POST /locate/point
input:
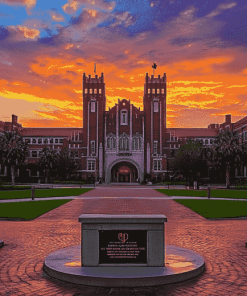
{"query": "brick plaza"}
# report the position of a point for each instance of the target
(26, 244)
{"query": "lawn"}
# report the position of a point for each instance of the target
(29, 209)
(216, 208)
(203, 193)
(58, 192)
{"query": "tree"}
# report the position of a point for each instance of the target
(66, 163)
(48, 160)
(13, 151)
(190, 160)
(227, 150)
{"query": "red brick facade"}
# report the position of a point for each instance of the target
(123, 143)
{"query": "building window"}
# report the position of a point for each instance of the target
(124, 117)
(51, 141)
(171, 138)
(92, 106)
(39, 141)
(111, 143)
(148, 90)
(95, 90)
(157, 165)
(156, 106)
(91, 91)
(155, 147)
(93, 147)
(56, 141)
(162, 90)
(158, 91)
(34, 153)
(206, 142)
(153, 91)
(28, 141)
(91, 165)
(45, 141)
(34, 141)
(99, 90)
(124, 143)
(61, 141)
(108, 143)
(85, 90)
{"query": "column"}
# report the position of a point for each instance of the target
(97, 139)
(117, 132)
(161, 152)
(100, 160)
(88, 106)
(130, 144)
(148, 158)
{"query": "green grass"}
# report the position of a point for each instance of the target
(29, 209)
(216, 208)
(203, 193)
(59, 192)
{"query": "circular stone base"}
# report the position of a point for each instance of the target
(181, 264)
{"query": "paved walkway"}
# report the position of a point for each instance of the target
(26, 244)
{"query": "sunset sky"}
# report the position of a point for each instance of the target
(45, 46)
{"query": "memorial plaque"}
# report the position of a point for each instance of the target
(122, 246)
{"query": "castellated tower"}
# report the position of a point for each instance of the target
(94, 105)
(154, 102)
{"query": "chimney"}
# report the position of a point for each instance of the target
(14, 119)
(228, 119)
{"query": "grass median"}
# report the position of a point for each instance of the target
(58, 192)
(28, 210)
(220, 193)
(216, 208)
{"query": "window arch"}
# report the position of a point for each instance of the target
(137, 142)
(111, 142)
(123, 142)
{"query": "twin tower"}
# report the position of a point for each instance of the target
(124, 144)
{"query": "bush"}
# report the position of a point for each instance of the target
(241, 187)
(69, 182)
(10, 187)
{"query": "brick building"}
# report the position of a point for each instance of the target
(122, 144)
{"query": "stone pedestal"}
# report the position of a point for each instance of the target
(120, 240)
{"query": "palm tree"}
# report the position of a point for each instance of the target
(48, 160)
(13, 151)
(190, 160)
(227, 150)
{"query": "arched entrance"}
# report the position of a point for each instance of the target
(124, 172)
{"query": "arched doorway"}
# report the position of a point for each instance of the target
(124, 172)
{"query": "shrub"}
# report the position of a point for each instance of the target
(10, 187)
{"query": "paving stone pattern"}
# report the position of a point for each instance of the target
(26, 244)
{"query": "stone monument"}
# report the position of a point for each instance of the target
(123, 251)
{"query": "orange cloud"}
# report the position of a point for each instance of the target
(25, 32)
